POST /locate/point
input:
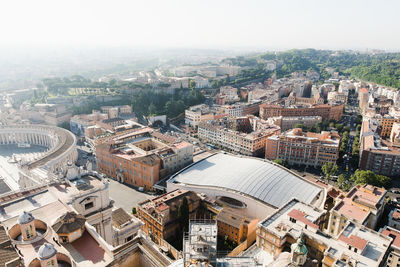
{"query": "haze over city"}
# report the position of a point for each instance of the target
(199, 133)
(356, 24)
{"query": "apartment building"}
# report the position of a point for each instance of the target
(233, 110)
(363, 204)
(177, 156)
(287, 123)
(386, 123)
(378, 155)
(230, 93)
(337, 97)
(235, 225)
(298, 227)
(250, 143)
(115, 111)
(393, 259)
(251, 108)
(196, 114)
(327, 112)
(79, 123)
(394, 219)
(160, 214)
(137, 158)
(395, 134)
(310, 149)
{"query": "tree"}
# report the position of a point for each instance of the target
(134, 211)
(341, 180)
(339, 127)
(152, 109)
(329, 169)
(183, 214)
(369, 177)
(64, 125)
(278, 161)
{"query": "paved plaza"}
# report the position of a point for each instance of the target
(126, 197)
(8, 169)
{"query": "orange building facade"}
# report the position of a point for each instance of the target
(309, 149)
(327, 112)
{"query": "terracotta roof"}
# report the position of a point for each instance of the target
(150, 160)
(334, 193)
(301, 216)
(354, 241)
(396, 215)
(7, 252)
(181, 145)
(393, 233)
(68, 223)
(120, 217)
(165, 138)
(364, 90)
(346, 208)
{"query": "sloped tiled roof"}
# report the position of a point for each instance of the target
(120, 217)
(68, 223)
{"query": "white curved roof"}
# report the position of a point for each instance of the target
(254, 177)
(47, 251)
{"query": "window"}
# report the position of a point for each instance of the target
(89, 205)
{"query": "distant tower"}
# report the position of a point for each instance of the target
(47, 255)
(27, 225)
(298, 252)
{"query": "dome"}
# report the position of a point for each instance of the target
(25, 218)
(46, 251)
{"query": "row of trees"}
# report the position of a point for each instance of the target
(355, 152)
(148, 102)
(345, 182)
(358, 177)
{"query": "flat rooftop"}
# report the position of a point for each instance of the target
(29, 203)
(366, 195)
(260, 179)
(79, 186)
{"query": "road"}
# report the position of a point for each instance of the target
(126, 197)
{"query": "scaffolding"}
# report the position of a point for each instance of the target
(200, 243)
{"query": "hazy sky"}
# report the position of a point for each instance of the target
(355, 24)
